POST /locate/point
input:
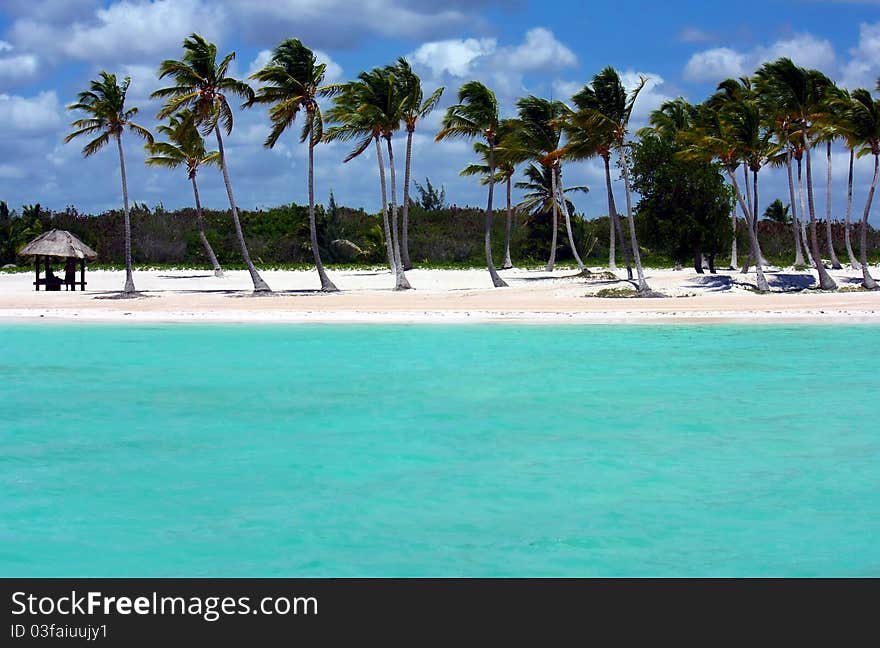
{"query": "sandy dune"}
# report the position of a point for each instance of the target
(444, 296)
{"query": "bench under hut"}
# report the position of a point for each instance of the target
(59, 244)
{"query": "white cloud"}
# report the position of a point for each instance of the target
(346, 23)
(863, 68)
(123, 31)
(649, 98)
(16, 69)
(540, 51)
(715, 65)
(5, 46)
(564, 90)
(805, 50)
(453, 57)
(719, 63)
(30, 115)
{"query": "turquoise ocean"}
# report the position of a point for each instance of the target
(484, 450)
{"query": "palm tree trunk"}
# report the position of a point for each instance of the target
(389, 247)
(507, 262)
(400, 282)
(849, 194)
(260, 286)
(326, 284)
(200, 223)
(868, 280)
(835, 262)
(561, 193)
(551, 263)
(748, 189)
(825, 280)
(761, 258)
(129, 280)
(733, 260)
(615, 223)
(753, 238)
(798, 251)
(497, 281)
(803, 213)
(404, 250)
(643, 285)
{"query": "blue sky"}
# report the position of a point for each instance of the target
(50, 49)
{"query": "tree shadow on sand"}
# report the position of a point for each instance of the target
(123, 295)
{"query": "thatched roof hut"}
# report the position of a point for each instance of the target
(58, 243)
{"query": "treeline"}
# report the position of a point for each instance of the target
(280, 236)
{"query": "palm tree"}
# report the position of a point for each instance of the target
(727, 138)
(799, 93)
(476, 115)
(782, 126)
(415, 107)
(842, 112)
(605, 107)
(778, 212)
(291, 82)
(202, 86)
(544, 195)
(505, 163)
(186, 148)
(587, 139)
(107, 118)
(537, 137)
(828, 129)
(368, 110)
(863, 119)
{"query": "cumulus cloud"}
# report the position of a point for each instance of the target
(863, 68)
(453, 57)
(122, 32)
(715, 65)
(16, 69)
(719, 63)
(30, 114)
(347, 23)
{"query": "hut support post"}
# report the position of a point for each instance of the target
(37, 272)
(82, 275)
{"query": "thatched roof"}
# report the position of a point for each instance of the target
(58, 243)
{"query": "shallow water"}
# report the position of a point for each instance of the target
(184, 450)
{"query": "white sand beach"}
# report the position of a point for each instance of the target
(445, 296)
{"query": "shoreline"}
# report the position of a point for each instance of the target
(442, 297)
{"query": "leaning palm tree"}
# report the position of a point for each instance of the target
(291, 82)
(863, 119)
(843, 111)
(476, 115)
(799, 93)
(537, 137)
(108, 117)
(202, 86)
(782, 126)
(605, 107)
(505, 163)
(415, 107)
(186, 148)
(828, 129)
(366, 111)
(716, 138)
